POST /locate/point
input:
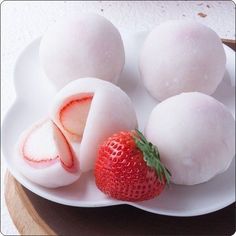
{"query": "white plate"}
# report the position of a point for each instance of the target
(34, 94)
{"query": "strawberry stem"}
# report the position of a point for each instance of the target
(151, 156)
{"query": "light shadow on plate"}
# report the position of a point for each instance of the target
(128, 80)
(30, 81)
(130, 76)
(83, 190)
(179, 197)
(225, 92)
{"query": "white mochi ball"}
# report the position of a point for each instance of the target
(181, 56)
(82, 46)
(195, 136)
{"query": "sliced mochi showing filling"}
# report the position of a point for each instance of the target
(73, 116)
(44, 156)
(88, 111)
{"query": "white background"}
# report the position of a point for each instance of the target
(23, 21)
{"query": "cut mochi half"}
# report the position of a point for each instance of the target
(73, 116)
(88, 111)
(45, 157)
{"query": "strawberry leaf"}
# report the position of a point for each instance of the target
(151, 156)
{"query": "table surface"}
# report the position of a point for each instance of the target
(21, 22)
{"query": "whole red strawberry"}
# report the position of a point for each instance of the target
(128, 168)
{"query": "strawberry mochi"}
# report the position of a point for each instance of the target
(82, 46)
(88, 111)
(195, 136)
(181, 56)
(44, 156)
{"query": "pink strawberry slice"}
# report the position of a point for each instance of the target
(44, 145)
(73, 116)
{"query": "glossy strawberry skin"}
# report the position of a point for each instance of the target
(122, 173)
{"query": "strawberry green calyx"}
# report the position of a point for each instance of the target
(151, 156)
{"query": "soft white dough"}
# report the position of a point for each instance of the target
(87, 45)
(195, 136)
(181, 56)
(111, 111)
(52, 176)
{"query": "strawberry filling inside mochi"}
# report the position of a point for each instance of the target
(73, 116)
(44, 145)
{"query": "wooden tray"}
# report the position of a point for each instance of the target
(34, 215)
